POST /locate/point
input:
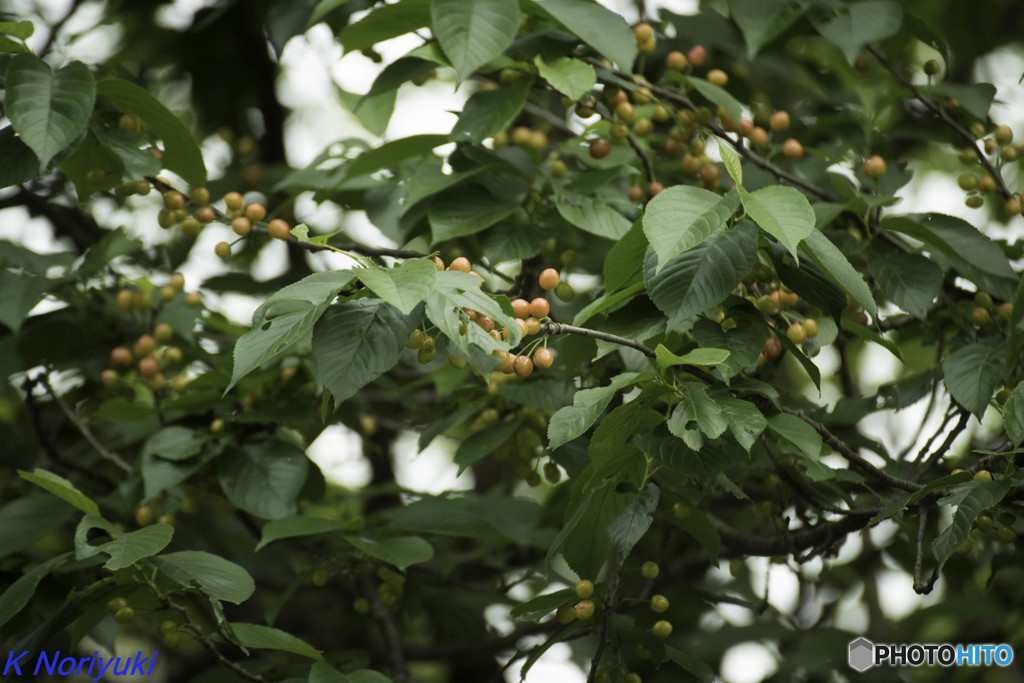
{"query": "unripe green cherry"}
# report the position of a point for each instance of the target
(584, 589)
(124, 615)
(682, 510)
(650, 570)
(662, 629)
(659, 603)
(584, 609)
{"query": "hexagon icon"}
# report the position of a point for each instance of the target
(862, 654)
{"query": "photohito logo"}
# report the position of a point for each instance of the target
(864, 654)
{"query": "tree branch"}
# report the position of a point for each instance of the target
(80, 426)
(388, 630)
(561, 328)
(606, 621)
(197, 631)
(946, 118)
(854, 458)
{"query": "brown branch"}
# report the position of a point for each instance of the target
(197, 631)
(561, 328)
(854, 458)
(81, 427)
(822, 536)
(388, 631)
(946, 118)
(965, 415)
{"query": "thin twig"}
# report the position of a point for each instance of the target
(561, 328)
(606, 623)
(943, 448)
(854, 458)
(81, 427)
(946, 118)
(56, 28)
(388, 630)
(197, 631)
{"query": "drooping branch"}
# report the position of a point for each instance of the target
(855, 459)
(561, 328)
(606, 622)
(945, 117)
(921, 586)
(105, 453)
(205, 641)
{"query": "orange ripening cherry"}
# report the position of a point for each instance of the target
(543, 358)
(279, 229)
(522, 366)
(521, 308)
(461, 264)
(548, 279)
(539, 307)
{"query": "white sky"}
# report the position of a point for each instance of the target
(311, 67)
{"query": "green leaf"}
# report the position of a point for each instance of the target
(782, 212)
(284, 318)
(262, 637)
(667, 359)
(113, 244)
(25, 520)
(18, 29)
(797, 432)
(1013, 419)
(48, 109)
(482, 444)
(587, 405)
(698, 526)
(465, 211)
(511, 242)
(704, 276)
(374, 109)
(624, 264)
(696, 412)
(21, 294)
(833, 263)
(181, 153)
(571, 77)
(62, 488)
(683, 216)
(745, 421)
(403, 286)
(971, 499)
(473, 32)
(974, 255)
(20, 162)
(910, 281)
(851, 26)
(593, 216)
(385, 22)
(390, 153)
(399, 551)
(626, 530)
(608, 302)
(296, 526)
(703, 672)
(488, 112)
(456, 291)
(716, 95)
(21, 591)
(218, 578)
(600, 28)
(743, 343)
(264, 478)
(900, 504)
(136, 545)
(356, 342)
(323, 673)
(731, 161)
(175, 443)
(809, 282)
(539, 607)
(976, 98)
(973, 372)
(762, 22)
(137, 163)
